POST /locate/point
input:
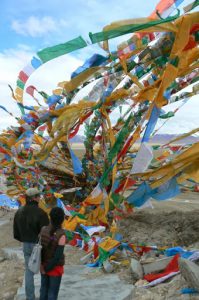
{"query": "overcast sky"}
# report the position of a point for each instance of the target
(27, 26)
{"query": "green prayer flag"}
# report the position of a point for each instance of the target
(195, 4)
(117, 199)
(61, 49)
(20, 84)
(104, 181)
(69, 235)
(191, 6)
(103, 255)
(43, 94)
(74, 213)
(121, 30)
(21, 109)
(124, 132)
(155, 147)
(167, 115)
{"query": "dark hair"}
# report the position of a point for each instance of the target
(30, 199)
(56, 217)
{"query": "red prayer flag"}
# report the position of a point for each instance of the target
(129, 183)
(23, 76)
(30, 90)
(171, 267)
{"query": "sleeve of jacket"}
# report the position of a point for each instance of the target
(16, 233)
(44, 220)
(55, 259)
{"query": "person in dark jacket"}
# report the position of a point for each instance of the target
(53, 240)
(28, 221)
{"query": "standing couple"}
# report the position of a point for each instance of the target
(30, 222)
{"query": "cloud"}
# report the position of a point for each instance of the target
(36, 27)
(6, 121)
(74, 18)
(45, 78)
(185, 119)
(11, 62)
(60, 69)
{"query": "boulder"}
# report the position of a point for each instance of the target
(108, 267)
(156, 266)
(136, 269)
(190, 271)
(13, 253)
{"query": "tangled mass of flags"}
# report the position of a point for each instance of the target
(143, 74)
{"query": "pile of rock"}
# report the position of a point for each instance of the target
(187, 277)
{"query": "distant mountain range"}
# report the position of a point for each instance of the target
(164, 138)
(78, 139)
(157, 139)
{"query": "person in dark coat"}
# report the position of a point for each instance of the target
(28, 221)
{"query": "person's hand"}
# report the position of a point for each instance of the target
(42, 270)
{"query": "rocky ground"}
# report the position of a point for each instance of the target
(163, 229)
(168, 224)
(11, 270)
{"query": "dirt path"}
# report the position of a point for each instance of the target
(170, 223)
